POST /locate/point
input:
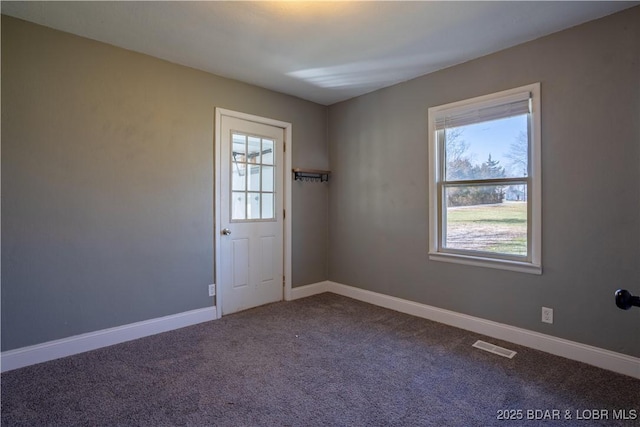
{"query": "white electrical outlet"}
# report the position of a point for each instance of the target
(547, 315)
(212, 290)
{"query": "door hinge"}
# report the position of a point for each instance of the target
(283, 281)
(284, 147)
(284, 214)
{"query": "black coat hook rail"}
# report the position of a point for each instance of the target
(624, 299)
(310, 175)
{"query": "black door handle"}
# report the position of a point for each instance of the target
(625, 300)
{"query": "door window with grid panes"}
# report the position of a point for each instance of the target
(252, 178)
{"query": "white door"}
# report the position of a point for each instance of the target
(251, 214)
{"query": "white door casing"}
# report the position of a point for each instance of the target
(252, 234)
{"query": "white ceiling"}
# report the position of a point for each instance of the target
(325, 52)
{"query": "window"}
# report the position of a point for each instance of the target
(484, 181)
(252, 172)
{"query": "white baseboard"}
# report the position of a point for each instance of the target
(309, 290)
(25, 356)
(606, 359)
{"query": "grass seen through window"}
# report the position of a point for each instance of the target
(497, 228)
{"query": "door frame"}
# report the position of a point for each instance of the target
(286, 166)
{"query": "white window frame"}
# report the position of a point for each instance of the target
(532, 264)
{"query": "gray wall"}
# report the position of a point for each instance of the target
(590, 83)
(107, 184)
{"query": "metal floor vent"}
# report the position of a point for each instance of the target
(482, 345)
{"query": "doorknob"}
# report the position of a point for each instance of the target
(226, 231)
(625, 300)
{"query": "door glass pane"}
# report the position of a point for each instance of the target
(238, 205)
(267, 178)
(267, 205)
(488, 218)
(239, 148)
(253, 155)
(253, 206)
(254, 178)
(267, 151)
(238, 176)
(493, 149)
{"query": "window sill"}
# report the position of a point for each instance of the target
(522, 267)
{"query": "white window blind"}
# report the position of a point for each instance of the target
(500, 108)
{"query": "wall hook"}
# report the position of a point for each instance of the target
(310, 175)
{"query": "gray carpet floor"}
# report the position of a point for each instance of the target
(321, 361)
